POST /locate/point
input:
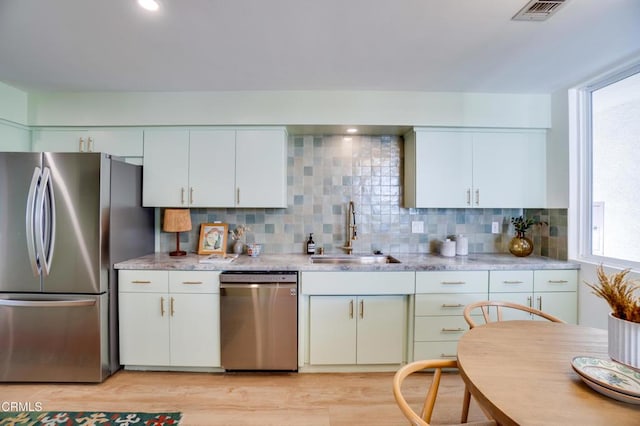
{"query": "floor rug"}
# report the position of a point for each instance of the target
(87, 418)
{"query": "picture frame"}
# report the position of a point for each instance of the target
(213, 238)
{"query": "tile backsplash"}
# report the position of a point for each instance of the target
(325, 172)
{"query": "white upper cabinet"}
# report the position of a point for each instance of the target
(165, 175)
(118, 142)
(462, 168)
(261, 168)
(212, 168)
(215, 168)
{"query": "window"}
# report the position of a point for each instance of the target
(612, 193)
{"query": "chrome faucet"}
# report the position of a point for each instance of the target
(352, 228)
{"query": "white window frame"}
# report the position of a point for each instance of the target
(580, 204)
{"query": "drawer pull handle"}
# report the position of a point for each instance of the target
(192, 282)
(453, 282)
(557, 281)
(512, 282)
(140, 282)
(448, 356)
(457, 305)
(452, 330)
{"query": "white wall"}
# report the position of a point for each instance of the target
(14, 137)
(13, 104)
(290, 108)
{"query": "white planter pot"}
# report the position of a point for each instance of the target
(624, 342)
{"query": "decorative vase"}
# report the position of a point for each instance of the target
(520, 245)
(624, 342)
(238, 247)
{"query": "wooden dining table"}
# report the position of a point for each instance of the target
(520, 372)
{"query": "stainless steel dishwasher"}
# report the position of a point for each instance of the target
(259, 320)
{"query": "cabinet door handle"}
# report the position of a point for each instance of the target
(477, 197)
(453, 282)
(539, 302)
(351, 309)
(238, 196)
(191, 282)
(456, 305)
(171, 310)
(89, 144)
(452, 330)
(361, 309)
(443, 355)
(512, 282)
(191, 195)
(469, 196)
(530, 301)
(140, 282)
(181, 195)
(81, 145)
(161, 306)
(557, 281)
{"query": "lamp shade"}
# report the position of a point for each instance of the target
(176, 220)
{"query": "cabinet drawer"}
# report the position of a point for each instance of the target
(452, 282)
(194, 281)
(439, 328)
(143, 281)
(555, 280)
(510, 281)
(357, 283)
(445, 304)
(435, 350)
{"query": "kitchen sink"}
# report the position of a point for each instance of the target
(353, 259)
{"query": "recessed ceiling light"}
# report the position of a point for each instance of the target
(151, 5)
(352, 130)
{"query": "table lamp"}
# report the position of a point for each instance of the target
(177, 220)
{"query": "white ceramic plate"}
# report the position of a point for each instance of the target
(609, 374)
(610, 393)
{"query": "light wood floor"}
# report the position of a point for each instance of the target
(250, 398)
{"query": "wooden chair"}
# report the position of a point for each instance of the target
(424, 417)
(499, 306)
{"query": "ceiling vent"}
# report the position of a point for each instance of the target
(538, 10)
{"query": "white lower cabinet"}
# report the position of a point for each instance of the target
(551, 291)
(169, 318)
(439, 302)
(356, 329)
(355, 318)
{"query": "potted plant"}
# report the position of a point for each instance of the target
(236, 235)
(521, 245)
(624, 318)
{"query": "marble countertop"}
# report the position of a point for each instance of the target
(300, 262)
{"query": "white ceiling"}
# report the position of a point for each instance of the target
(210, 45)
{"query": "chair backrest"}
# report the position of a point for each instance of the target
(424, 417)
(497, 314)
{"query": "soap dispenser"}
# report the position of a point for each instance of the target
(311, 246)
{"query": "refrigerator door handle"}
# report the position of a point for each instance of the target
(30, 221)
(45, 222)
(47, 303)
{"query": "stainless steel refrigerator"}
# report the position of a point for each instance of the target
(65, 220)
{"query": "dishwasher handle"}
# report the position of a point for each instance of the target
(256, 285)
